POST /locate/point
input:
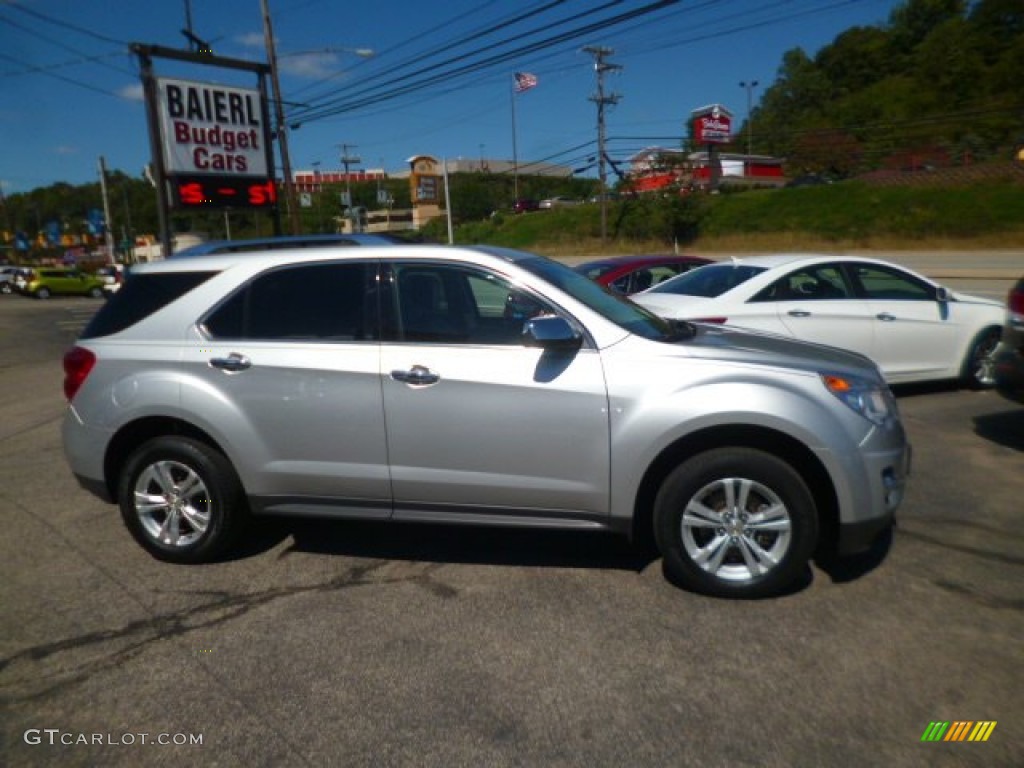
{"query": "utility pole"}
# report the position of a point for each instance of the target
(346, 161)
(281, 126)
(750, 85)
(107, 223)
(601, 66)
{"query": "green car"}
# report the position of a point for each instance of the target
(49, 281)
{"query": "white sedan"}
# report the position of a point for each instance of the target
(913, 328)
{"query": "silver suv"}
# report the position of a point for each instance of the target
(472, 385)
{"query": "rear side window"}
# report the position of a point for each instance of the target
(139, 297)
(309, 302)
(708, 281)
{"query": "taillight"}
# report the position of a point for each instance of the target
(78, 362)
(715, 320)
(1015, 301)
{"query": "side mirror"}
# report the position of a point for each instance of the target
(552, 333)
(942, 294)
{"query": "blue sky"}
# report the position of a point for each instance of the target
(71, 90)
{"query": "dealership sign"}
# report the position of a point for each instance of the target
(211, 129)
(712, 125)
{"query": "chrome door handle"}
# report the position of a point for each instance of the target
(232, 363)
(886, 317)
(798, 313)
(417, 376)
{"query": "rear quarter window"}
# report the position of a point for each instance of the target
(140, 297)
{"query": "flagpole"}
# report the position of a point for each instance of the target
(515, 149)
(522, 81)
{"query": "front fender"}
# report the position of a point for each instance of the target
(797, 406)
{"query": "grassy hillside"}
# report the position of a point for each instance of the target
(985, 213)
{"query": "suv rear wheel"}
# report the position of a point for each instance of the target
(735, 522)
(181, 500)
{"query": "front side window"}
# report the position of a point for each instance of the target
(889, 284)
(307, 302)
(813, 283)
(453, 304)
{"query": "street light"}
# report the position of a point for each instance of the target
(281, 128)
(750, 86)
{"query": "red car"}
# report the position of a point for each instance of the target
(632, 274)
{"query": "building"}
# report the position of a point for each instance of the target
(655, 168)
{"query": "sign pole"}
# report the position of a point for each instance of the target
(156, 152)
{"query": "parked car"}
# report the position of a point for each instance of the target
(632, 274)
(7, 278)
(1009, 355)
(524, 205)
(44, 282)
(914, 329)
(19, 278)
(112, 276)
(471, 385)
(557, 202)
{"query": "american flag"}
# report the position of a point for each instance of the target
(525, 81)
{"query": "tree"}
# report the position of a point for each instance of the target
(858, 58)
(912, 22)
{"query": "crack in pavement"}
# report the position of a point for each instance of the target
(223, 608)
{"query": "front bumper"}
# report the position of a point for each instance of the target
(880, 497)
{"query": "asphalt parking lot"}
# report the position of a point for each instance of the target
(368, 645)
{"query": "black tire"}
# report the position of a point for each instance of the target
(733, 531)
(95, 293)
(197, 505)
(43, 293)
(6, 288)
(979, 370)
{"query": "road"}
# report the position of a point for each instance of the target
(368, 645)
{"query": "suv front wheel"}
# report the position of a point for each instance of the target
(735, 522)
(181, 500)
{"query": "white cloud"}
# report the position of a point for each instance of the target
(64, 149)
(315, 64)
(132, 92)
(251, 40)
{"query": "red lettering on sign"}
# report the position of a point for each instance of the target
(191, 194)
(262, 194)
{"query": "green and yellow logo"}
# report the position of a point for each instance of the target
(959, 730)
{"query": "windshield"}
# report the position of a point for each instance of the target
(709, 281)
(620, 311)
(595, 269)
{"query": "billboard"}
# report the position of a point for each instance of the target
(211, 129)
(712, 125)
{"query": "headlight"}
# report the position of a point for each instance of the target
(868, 398)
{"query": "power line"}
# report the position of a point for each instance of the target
(463, 56)
(59, 65)
(57, 43)
(320, 112)
(472, 35)
(66, 79)
(61, 23)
